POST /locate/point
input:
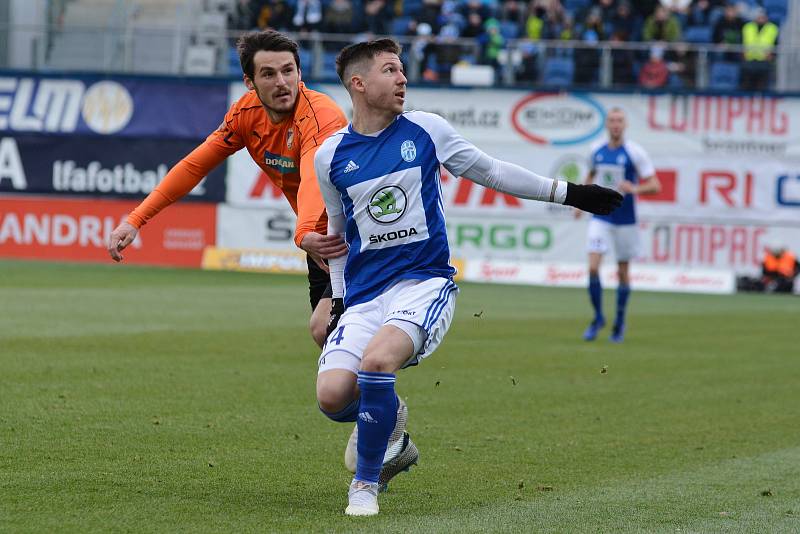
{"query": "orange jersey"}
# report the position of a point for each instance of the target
(284, 151)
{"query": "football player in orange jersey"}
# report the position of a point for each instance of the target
(281, 123)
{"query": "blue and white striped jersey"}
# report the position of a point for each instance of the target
(388, 188)
(612, 165)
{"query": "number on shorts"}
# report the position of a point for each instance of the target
(338, 336)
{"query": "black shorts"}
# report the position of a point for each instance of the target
(319, 283)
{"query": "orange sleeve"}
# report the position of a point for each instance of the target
(188, 172)
(311, 216)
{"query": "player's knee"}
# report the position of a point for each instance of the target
(334, 395)
(332, 401)
(377, 363)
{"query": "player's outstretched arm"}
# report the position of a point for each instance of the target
(512, 179)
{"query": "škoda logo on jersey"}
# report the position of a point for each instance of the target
(387, 204)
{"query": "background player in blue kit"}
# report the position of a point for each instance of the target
(624, 166)
(379, 178)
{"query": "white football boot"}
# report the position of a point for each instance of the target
(362, 499)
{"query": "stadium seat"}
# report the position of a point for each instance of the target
(234, 66)
(558, 71)
(200, 60)
(400, 25)
(412, 8)
(675, 82)
(509, 29)
(697, 34)
(306, 59)
(724, 75)
(575, 5)
(777, 13)
(329, 65)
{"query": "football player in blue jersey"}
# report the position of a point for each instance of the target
(379, 177)
(624, 166)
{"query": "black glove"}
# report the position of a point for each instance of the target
(592, 198)
(337, 309)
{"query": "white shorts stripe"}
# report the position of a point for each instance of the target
(449, 288)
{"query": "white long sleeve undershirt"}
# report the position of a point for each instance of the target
(512, 179)
(336, 225)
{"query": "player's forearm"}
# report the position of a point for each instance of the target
(512, 179)
(336, 226)
(311, 216)
(181, 179)
(649, 186)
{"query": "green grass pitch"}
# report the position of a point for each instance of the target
(155, 400)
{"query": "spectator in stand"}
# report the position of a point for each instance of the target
(477, 7)
(677, 6)
(562, 29)
(728, 31)
(447, 51)
(492, 42)
(474, 27)
(759, 37)
(423, 48)
(534, 26)
(339, 17)
(608, 9)
(307, 15)
(513, 11)
(625, 24)
(645, 8)
(430, 14)
(700, 13)
(377, 16)
(243, 15)
(555, 10)
(451, 15)
(662, 26)
(587, 58)
(654, 73)
(274, 15)
(621, 62)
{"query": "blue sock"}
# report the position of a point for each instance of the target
(377, 415)
(596, 296)
(346, 415)
(623, 292)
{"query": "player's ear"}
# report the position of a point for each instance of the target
(357, 83)
(248, 82)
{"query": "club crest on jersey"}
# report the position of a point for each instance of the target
(387, 204)
(408, 150)
(290, 138)
(621, 160)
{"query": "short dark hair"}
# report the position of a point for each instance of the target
(358, 52)
(270, 41)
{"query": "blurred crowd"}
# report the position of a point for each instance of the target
(438, 28)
